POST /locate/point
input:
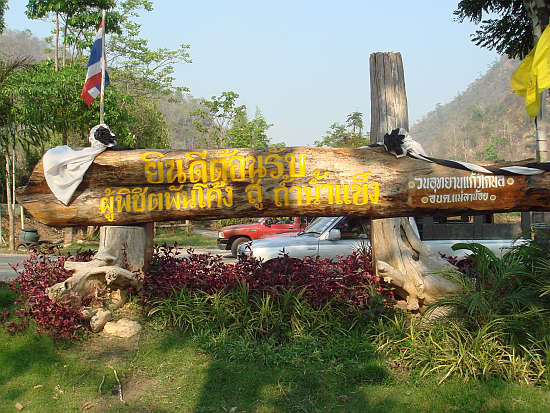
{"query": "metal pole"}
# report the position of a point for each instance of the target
(22, 213)
(103, 63)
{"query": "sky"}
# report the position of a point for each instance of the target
(305, 64)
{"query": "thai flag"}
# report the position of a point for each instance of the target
(92, 86)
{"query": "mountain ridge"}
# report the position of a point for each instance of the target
(484, 122)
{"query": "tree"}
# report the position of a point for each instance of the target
(349, 135)
(515, 29)
(47, 106)
(491, 151)
(177, 108)
(145, 72)
(224, 124)
(355, 122)
(9, 135)
(72, 14)
(148, 127)
(248, 134)
(214, 117)
(337, 136)
(3, 8)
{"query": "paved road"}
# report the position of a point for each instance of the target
(6, 272)
(206, 232)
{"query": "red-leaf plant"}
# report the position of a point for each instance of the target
(349, 281)
(61, 320)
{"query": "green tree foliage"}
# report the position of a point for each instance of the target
(9, 134)
(141, 71)
(510, 32)
(349, 135)
(214, 117)
(147, 125)
(224, 124)
(355, 122)
(8, 124)
(139, 76)
(493, 150)
(3, 8)
(75, 16)
(46, 106)
(246, 133)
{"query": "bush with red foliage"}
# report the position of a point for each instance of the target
(465, 265)
(61, 320)
(349, 281)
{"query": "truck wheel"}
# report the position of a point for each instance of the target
(236, 243)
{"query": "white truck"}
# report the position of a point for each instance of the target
(336, 236)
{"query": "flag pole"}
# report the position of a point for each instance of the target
(103, 64)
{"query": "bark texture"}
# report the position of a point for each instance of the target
(123, 246)
(9, 201)
(400, 257)
(121, 188)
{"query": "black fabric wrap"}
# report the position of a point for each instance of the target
(393, 142)
(104, 135)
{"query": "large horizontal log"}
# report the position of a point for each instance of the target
(136, 186)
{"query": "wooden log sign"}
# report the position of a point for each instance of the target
(136, 186)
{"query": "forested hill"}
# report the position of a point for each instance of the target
(15, 43)
(485, 122)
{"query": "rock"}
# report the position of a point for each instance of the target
(99, 320)
(88, 313)
(117, 298)
(123, 328)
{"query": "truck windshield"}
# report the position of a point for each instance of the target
(319, 225)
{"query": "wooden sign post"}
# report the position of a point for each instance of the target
(144, 186)
(139, 186)
(398, 253)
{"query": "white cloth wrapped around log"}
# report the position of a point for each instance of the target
(64, 167)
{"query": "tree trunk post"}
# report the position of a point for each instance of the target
(68, 236)
(399, 255)
(148, 254)
(11, 218)
(123, 246)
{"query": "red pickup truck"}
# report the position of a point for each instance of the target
(229, 238)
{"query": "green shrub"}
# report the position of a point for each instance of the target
(448, 349)
(496, 326)
(220, 223)
(281, 317)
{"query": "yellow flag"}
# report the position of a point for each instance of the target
(533, 74)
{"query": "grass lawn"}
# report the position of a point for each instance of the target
(183, 238)
(168, 236)
(165, 371)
